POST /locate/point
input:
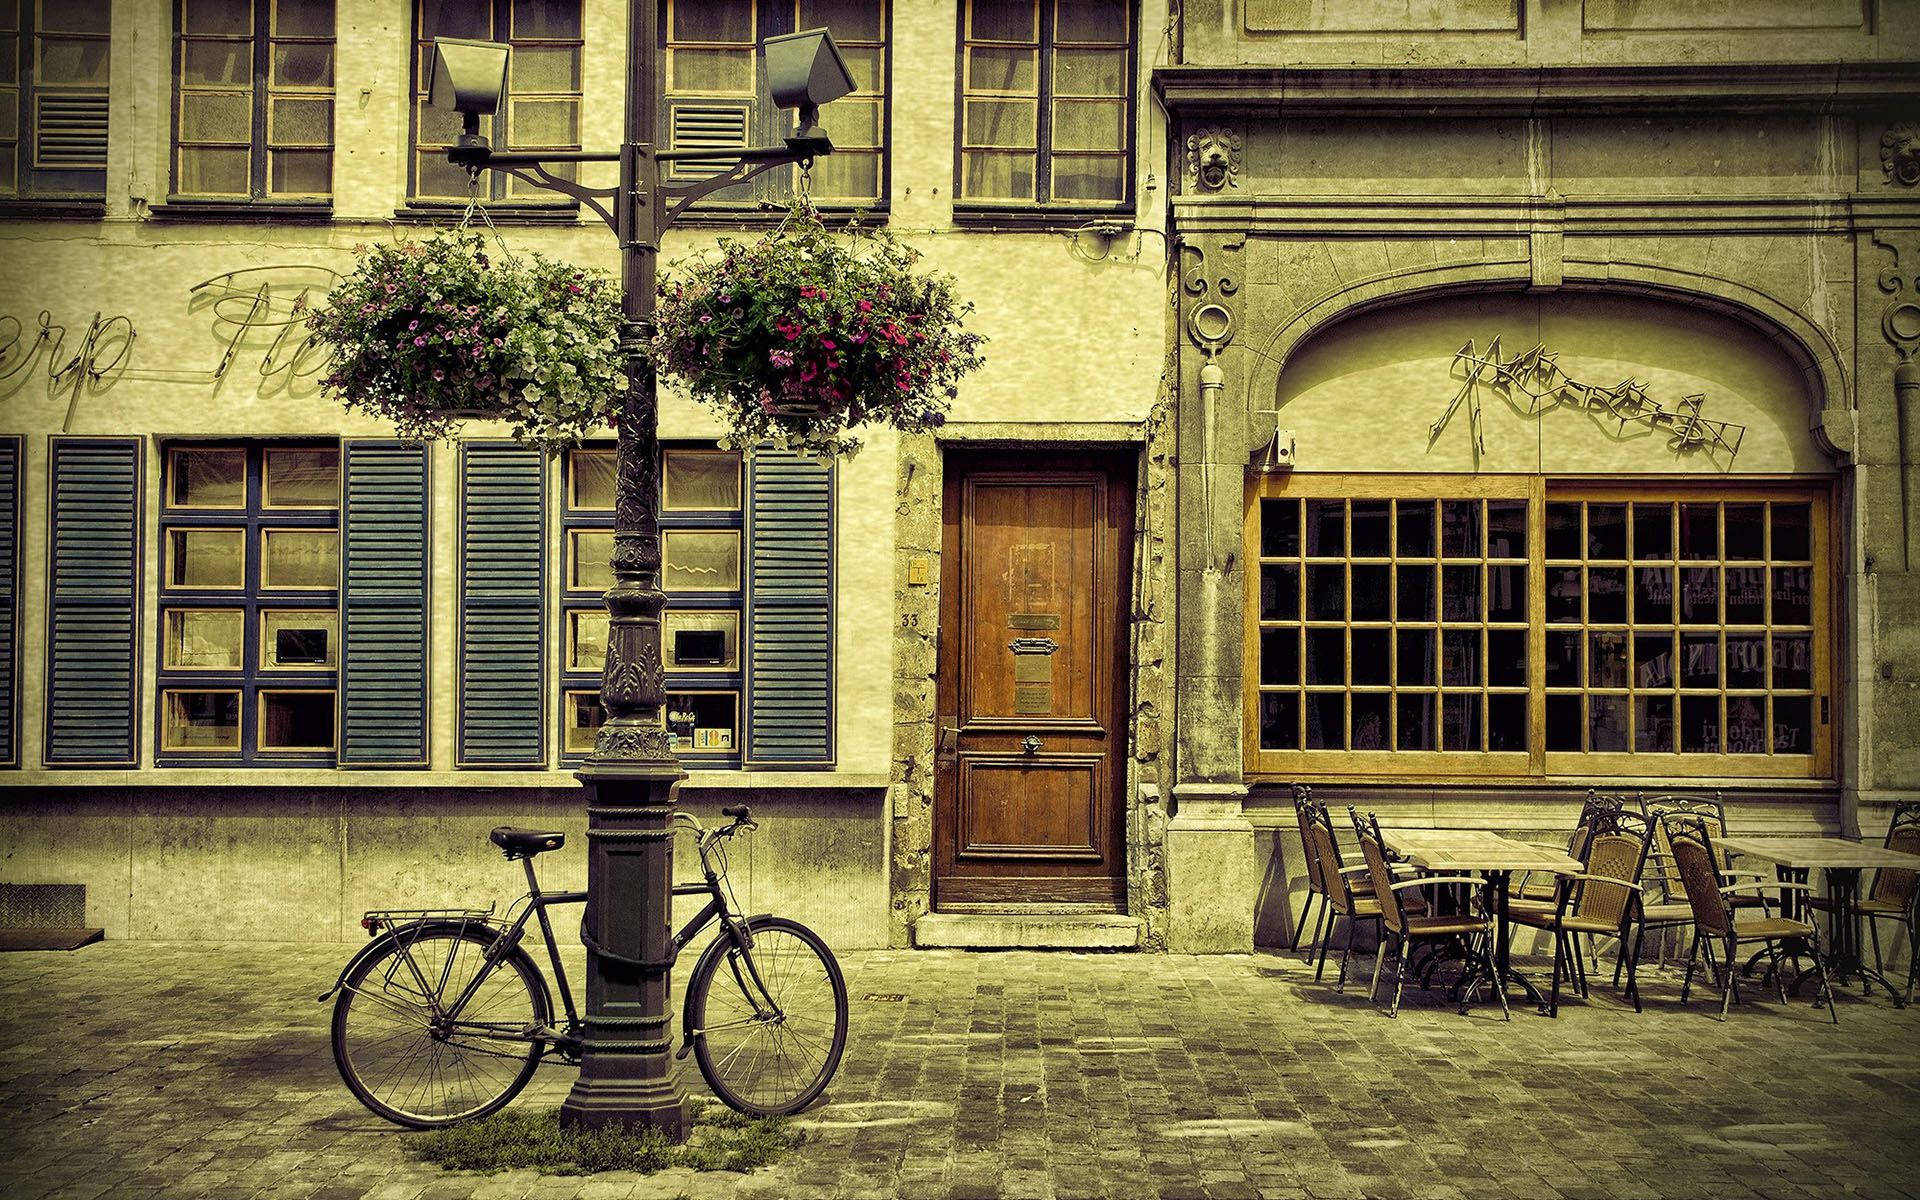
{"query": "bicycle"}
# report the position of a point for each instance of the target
(444, 1017)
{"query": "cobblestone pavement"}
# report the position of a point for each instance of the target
(133, 1069)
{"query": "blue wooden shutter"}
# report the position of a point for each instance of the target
(502, 588)
(93, 597)
(10, 452)
(790, 610)
(383, 603)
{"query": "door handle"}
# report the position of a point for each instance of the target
(1031, 743)
(949, 739)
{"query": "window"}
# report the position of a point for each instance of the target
(701, 520)
(1517, 626)
(53, 98)
(253, 101)
(539, 111)
(1046, 95)
(249, 604)
(716, 98)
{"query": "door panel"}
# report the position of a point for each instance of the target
(1032, 680)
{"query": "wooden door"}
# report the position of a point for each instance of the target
(1031, 740)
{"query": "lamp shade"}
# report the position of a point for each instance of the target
(805, 70)
(468, 76)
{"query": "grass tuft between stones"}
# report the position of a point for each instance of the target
(721, 1140)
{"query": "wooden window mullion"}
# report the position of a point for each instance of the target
(1043, 119)
(262, 64)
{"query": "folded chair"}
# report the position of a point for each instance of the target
(1346, 891)
(1599, 900)
(1302, 812)
(1717, 921)
(1895, 893)
(1408, 925)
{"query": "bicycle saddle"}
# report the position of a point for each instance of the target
(525, 843)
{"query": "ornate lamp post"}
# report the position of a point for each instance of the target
(627, 1076)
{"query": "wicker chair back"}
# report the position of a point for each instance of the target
(1368, 832)
(1896, 884)
(1693, 860)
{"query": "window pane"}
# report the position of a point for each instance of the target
(72, 16)
(1700, 595)
(1460, 528)
(1002, 69)
(1371, 529)
(300, 123)
(1700, 660)
(205, 639)
(206, 558)
(1566, 728)
(1089, 177)
(1652, 531)
(1653, 660)
(1089, 125)
(1279, 720)
(1327, 528)
(216, 117)
(456, 18)
(1280, 657)
(1607, 660)
(1792, 532)
(584, 718)
(543, 69)
(1606, 531)
(1507, 529)
(303, 478)
(1415, 658)
(1653, 724)
(434, 176)
(701, 640)
(1506, 722)
(1279, 528)
(1563, 531)
(200, 721)
(1792, 661)
(710, 21)
(700, 562)
(702, 721)
(303, 18)
(1607, 595)
(234, 17)
(998, 175)
(702, 480)
(592, 569)
(1606, 724)
(1792, 595)
(205, 172)
(1747, 662)
(1700, 724)
(1004, 20)
(1460, 593)
(1326, 721)
(1416, 722)
(73, 61)
(1563, 659)
(1326, 592)
(1279, 592)
(1460, 721)
(299, 558)
(593, 472)
(1792, 725)
(846, 175)
(1699, 531)
(1090, 21)
(559, 20)
(1653, 595)
(1415, 600)
(217, 63)
(1090, 73)
(544, 123)
(1507, 657)
(1372, 657)
(1000, 123)
(1746, 530)
(1415, 525)
(587, 639)
(1372, 592)
(1746, 595)
(848, 19)
(303, 64)
(296, 720)
(1460, 658)
(300, 172)
(1565, 588)
(302, 639)
(209, 478)
(1507, 593)
(1326, 656)
(1370, 721)
(726, 71)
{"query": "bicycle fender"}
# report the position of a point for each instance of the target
(716, 947)
(378, 944)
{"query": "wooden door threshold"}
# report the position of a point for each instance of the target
(1044, 927)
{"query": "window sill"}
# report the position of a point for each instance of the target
(315, 212)
(237, 776)
(769, 215)
(1040, 218)
(429, 212)
(52, 209)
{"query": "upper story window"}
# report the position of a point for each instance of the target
(717, 98)
(253, 99)
(539, 111)
(249, 604)
(1046, 95)
(53, 97)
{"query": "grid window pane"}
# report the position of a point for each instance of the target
(299, 558)
(1003, 69)
(299, 639)
(209, 479)
(205, 639)
(227, 18)
(587, 639)
(206, 558)
(303, 478)
(296, 720)
(700, 480)
(200, 720)
(592, 566)
(700, 562)
(593, 473)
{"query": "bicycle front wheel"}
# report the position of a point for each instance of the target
(414, 1062)
(768, 1022)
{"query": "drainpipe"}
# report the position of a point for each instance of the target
(1906, 400)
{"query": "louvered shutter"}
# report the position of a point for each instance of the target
(383, 606)
(704, 125)
(790, 610)
(502, 586)
(93, 596)
(10, 450)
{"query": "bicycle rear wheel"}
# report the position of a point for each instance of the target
(768, 1023)
(406, 1058)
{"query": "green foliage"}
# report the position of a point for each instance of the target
(722, 1140)
(804, 334)
(427, 332)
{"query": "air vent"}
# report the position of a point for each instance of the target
(70, 130)
(704, 126)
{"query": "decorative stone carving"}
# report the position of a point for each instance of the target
(624, 742)
(1900, 154)
(1213, 158)
(1900, 319)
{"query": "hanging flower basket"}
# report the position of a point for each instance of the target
(803, 335)
(432, 332)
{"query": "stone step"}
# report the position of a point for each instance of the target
(1027, 931)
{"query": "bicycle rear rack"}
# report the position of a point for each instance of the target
(377, 920)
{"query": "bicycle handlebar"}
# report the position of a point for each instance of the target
(737, 811)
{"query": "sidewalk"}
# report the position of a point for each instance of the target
(134, 1069)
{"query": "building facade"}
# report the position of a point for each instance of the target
(1453, 412)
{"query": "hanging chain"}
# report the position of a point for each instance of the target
(475, 207)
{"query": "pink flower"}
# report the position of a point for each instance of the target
(780, 358)
(420, 341)
(866, 306)
(827, 344)
(412, 325)
(808, 372)
(706, 319)
(438, 375)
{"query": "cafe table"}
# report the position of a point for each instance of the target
(1843, 859)
(1495, 858)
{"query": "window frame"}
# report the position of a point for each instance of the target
(255, 676)
(79, 188)
(1538, 764)
(262, 92)
(1044, 204)
(498, 186)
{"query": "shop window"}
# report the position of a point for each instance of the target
(54, 57)
(539, 111)
(1515, 626)
(249, 604)
(253, 100)
(1046, 100)
(717, 99)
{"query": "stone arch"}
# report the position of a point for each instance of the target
(1803, 340)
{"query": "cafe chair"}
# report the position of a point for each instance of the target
(1662, 904)
(1539, 891)
(1600, 900)
(1895, 894)
(1718, 922)
(1408, 924)
(1344, 890)
(1316, 889)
